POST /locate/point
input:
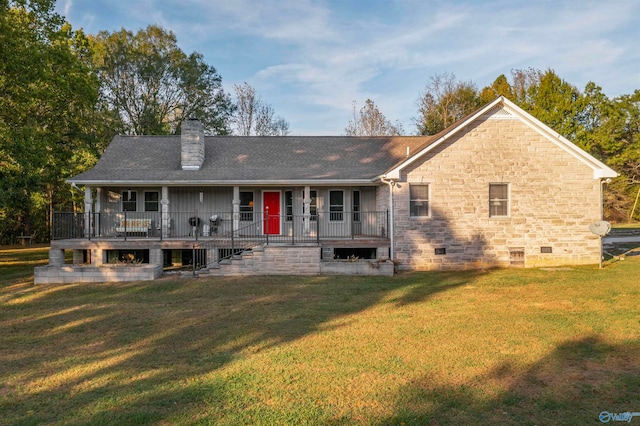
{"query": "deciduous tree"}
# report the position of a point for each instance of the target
(47, 98)
(444, 101)
(369, 121)
(253, 117)
(154, 85)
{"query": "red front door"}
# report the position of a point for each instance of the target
(271, 202)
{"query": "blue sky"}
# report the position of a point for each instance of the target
(311, 59)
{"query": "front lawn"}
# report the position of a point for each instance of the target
(504, 346)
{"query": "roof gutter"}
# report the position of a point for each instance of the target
(391, 184)
(283, 182)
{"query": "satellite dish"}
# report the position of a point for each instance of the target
(601, 227)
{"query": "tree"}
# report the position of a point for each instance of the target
(553, 101)
(369, 121)
(254, 117)
(153, 85)
(445, 101)
(47, 98)
(500, 87)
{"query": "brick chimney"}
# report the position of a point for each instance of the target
(192, 144)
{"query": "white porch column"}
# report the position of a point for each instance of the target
(306, 210)
(236, 208)
(166, 220)
(88, 207)
(98, 209)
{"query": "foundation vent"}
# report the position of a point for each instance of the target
(516, 257)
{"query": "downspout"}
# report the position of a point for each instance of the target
(391, 184)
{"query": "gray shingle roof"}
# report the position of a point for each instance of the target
(229, 159)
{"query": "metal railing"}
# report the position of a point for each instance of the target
(289, 229)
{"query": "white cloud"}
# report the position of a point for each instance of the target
(312, 59)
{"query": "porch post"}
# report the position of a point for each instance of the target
(236, 208)
(166, 220)
(306, 210)
(98, 210)
(88, 206)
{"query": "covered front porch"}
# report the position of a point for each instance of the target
(189, 240)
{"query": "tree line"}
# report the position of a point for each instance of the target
(65, 94)
(607, 128)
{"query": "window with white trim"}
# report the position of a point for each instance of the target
(151, 201)
(288, 205)
(313, 206)
(355, 202)
(498, 199)
(129, 201)
(419, 200)
(336, 205)
(246, 205)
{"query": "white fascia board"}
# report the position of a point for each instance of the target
(600, 170)
(193, 182)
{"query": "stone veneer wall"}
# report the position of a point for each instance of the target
(553, 199)
(298, 260)
(276, 260)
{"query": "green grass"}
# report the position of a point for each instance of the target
(503, 346)
(632, 225)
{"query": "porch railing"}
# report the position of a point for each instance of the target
(214, 225)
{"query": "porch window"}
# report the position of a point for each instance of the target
(356, 206)
(336, 205)
(246, 205)
(313, 207)
(498, 199)
(288, 205)
(151, 201)
(129, 201)
(419, 200)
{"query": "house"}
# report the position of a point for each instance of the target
(496, 189)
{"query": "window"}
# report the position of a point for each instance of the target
(419, 200)
(151, 201)
(313, 207)
(356, 206)
(246, 205)
(336, 205)
(498, 199)
(129, 201)
(288, 205)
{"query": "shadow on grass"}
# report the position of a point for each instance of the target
(136, 352)
(572, 385)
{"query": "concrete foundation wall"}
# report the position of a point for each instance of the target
(92, 274)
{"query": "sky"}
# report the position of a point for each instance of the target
(310, 60)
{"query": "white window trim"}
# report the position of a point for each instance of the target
(244, 214)
(428, 185)
(508, 215)
(144, 201)
(133, 191)
(342, 212)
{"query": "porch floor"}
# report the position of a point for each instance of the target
(142, 243)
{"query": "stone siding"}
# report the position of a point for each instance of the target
(275, 260)
(553, 199)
